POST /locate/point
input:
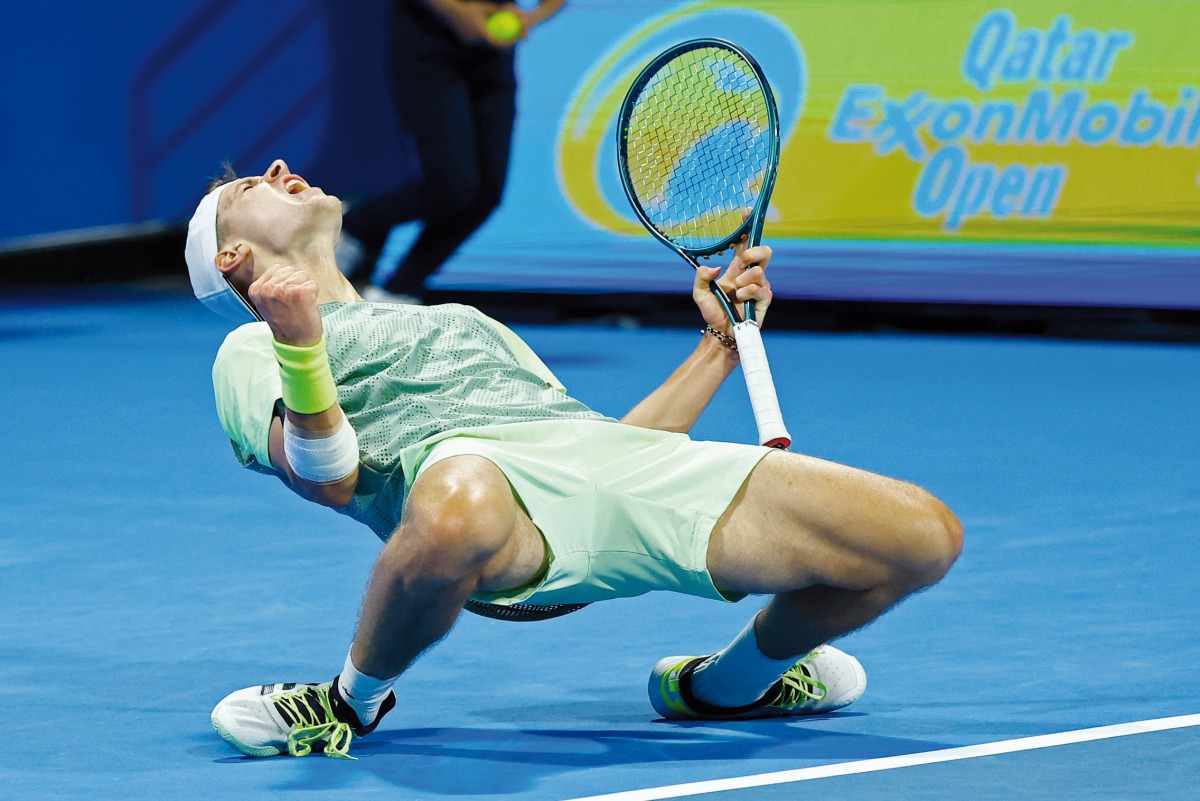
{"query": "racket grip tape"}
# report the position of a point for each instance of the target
(763, 399)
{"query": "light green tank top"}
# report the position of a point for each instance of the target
(404, 374)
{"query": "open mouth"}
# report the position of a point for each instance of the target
(295, 185)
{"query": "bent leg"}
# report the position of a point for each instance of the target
(462, 531)
(836, 546)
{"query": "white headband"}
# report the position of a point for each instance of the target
(208, 282)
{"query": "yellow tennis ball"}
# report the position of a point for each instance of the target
(504, 26)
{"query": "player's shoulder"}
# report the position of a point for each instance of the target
(245, 348)
(250, 337)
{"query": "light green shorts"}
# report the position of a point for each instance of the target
(624, 510)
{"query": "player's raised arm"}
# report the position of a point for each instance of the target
(679, 402)
(680, 104)
(315, 444)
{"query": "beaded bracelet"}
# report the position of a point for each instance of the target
(724, 339)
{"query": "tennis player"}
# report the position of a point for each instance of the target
(445, 434)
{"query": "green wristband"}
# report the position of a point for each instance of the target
(308, 386)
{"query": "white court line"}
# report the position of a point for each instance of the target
(903, 761)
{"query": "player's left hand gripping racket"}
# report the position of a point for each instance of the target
(698, 145)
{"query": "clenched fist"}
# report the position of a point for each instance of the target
(286, 297)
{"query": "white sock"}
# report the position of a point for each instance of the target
(739, 674)
(363, 693)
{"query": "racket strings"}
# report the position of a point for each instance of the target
(698, 146)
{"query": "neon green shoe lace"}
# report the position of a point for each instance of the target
(312, 723)
(798, 688)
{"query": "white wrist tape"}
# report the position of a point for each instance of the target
(324, 458)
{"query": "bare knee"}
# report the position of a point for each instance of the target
(934, 540)
(458, 516)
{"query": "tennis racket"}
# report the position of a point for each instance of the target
(698, 145)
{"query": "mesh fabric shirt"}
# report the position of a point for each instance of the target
(404, 374)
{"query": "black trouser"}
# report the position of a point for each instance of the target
(458, 105)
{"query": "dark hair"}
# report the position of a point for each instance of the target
(226, 175)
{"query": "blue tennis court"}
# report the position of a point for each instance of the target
(143, 576)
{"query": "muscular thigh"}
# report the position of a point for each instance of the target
(799, 521)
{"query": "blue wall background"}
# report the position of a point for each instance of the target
(116, 113)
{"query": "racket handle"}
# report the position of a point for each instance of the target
(764, 401)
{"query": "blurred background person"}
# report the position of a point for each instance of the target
(453, 84)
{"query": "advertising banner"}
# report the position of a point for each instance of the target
(1040, 152)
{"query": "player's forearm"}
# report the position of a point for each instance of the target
(679, 402)
(320, 448)
(334, 494)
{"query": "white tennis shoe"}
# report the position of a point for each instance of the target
(823, 681)
(296, 719)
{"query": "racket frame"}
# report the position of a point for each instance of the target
(752, 228)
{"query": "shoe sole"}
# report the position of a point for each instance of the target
(248, 750)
